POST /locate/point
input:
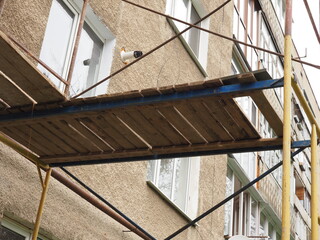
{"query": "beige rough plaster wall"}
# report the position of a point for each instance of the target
(67, 216)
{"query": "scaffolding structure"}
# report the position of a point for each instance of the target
(166, 99)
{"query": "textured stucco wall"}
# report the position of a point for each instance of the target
(66, 216)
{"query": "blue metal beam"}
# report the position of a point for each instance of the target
(296, 144)
(233, 89)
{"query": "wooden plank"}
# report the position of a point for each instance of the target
(166, 150)
(21, 70)
(116, 124)
(180, 123)
(101, 133)
(217, 110)
(113, 132)
(158, 121)
(81, 127)
(39, 137)
(150, 92)
(25, 141)
(11, 94)
(211, 122)
(58, 131)
(191, 114)
(213, 83)
(75, 135)
(143, 127)
(239, 116)
(53, 138)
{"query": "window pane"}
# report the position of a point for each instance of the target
(253, 219)
(165, 176)
(87, 62)
(180, 183)
(7, 234)
(180, 11)
(151, 170)
(194, 33)
(57, 39)
(228, 205)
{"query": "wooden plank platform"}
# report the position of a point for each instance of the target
(20, 69)
(198, 123)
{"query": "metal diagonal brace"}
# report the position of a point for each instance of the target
(106, 202)
(41, 205)
(266, 173)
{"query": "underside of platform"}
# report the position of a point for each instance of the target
(197, 118)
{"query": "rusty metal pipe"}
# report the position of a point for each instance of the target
(98, 204)
(312, 20)
(76, 46)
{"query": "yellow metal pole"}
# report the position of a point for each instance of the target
(41, 205)
(314, 185)
(287, 126)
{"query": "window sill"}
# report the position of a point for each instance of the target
(188, 48)
(172, 204)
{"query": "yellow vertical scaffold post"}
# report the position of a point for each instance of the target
(314, 185)
(41, 205)
(287, 126)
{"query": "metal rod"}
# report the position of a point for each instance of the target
(76, 46)
(106, 202)
(97, 203)
(218, 205)
(305, 105)
(151, 51)
(221, 35)
(41, 205)
(287, 125)
(37, 59)
(314, 185)
(40, 176)
(312, 20)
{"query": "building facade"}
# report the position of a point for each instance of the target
(163, 195)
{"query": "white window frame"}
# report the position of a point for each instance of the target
(200, 61)
(19, 229)
(192, 189)
(102, 32)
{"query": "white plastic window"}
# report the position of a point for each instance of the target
(194, 40)
(177, 179)
(243, 214)
(94, 57)
(10, 230)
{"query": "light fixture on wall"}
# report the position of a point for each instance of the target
(126, 56)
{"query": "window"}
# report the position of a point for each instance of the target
(177, 179)
(95, 47)
(10, 230)
(243, 214)
(246, 17)
(194, 40)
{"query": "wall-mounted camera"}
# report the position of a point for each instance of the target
(126, 56)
